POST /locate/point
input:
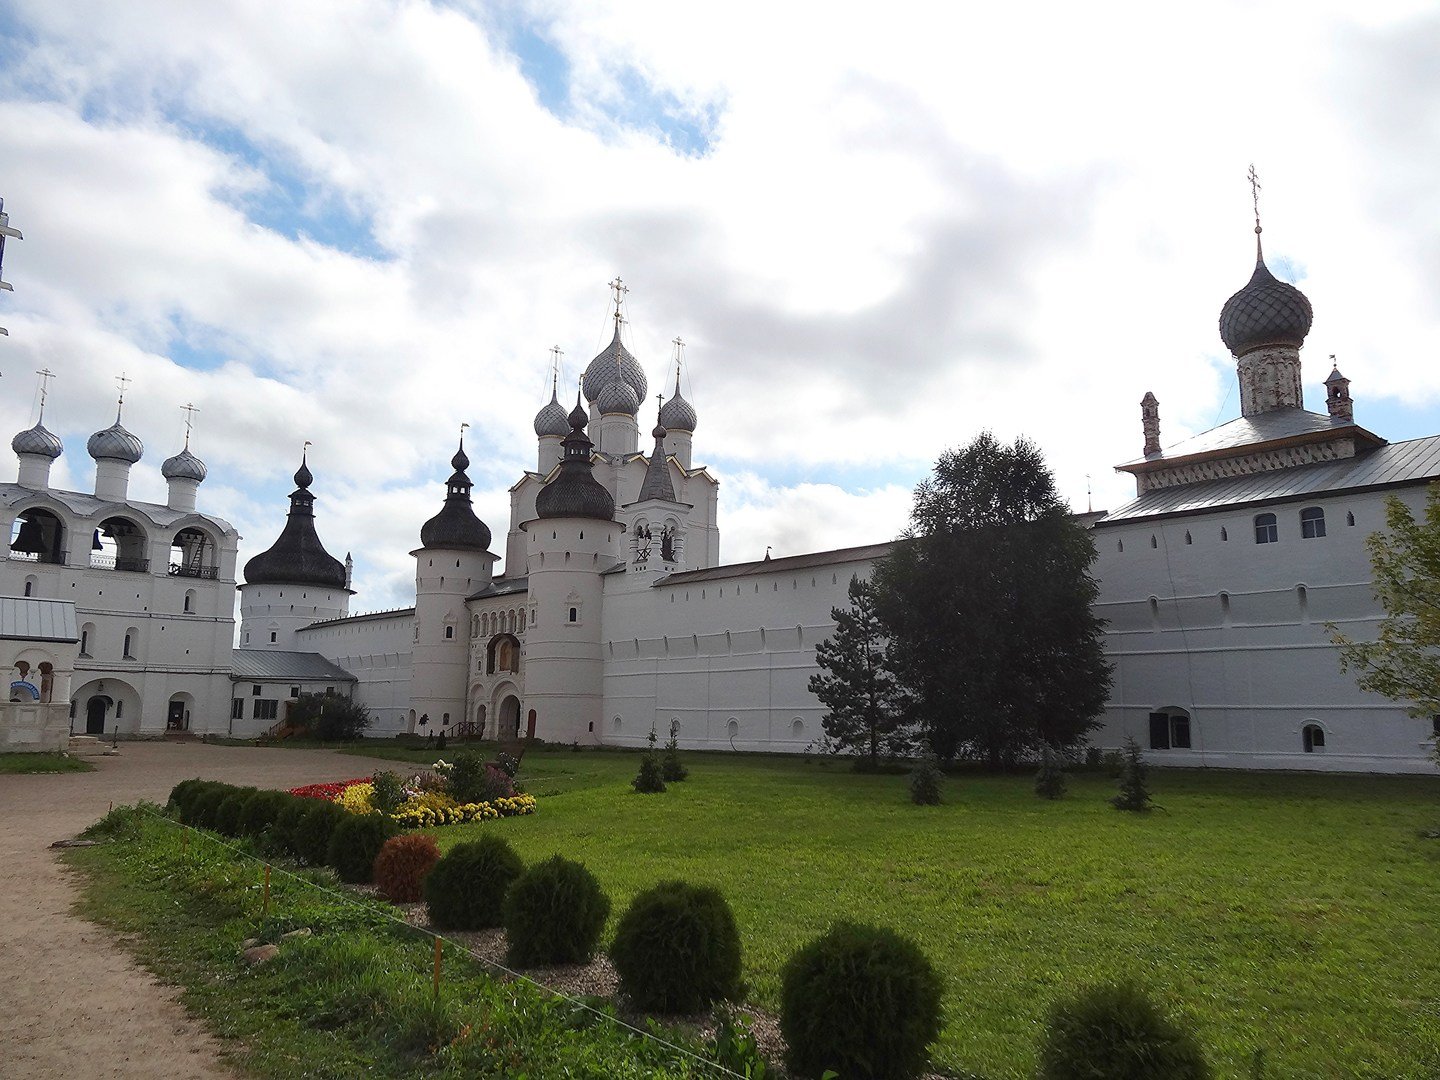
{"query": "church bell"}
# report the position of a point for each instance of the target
(30, 539)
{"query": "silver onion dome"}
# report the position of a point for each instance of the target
(38, 440)
(552, 420)
(1267, 311)
(115, 443)
(615, 364)
(618, 397)
(677, 414)
(183, 466)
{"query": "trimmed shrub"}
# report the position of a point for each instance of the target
(472, 780)
(260, 811)
(227, 814)
(1050, 778)
(1115, 1030)
(860, 1000)
(468, 885)
(354, 843)
(402, 864)
(312, 836)
(925, 782)
(677, 950)
(205, 802)
(182, 793)
(285, 831)
(672, 769)
(554, 914)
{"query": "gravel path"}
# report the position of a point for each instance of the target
(74, 1003)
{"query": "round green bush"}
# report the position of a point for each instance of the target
(186, 795)
(311, 839)
(1116, 1031)
(677, 950)
(227, 814)
(468, 885)
(354, 843)
(260, 811)
(861, 1000)
(287, 824)
(554, 914)
(205, 802)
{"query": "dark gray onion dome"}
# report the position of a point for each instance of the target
(1267, 311)
(115, 444)
(183, 466)
(38, 440)
(677, 414)
(551, 419)
(456, 527)
(618, 397)
(297, 557)
(615, 364)
(574, 491)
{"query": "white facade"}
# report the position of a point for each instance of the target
(152, 585)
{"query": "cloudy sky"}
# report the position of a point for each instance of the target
(879, 229)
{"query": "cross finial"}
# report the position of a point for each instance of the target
(45, 376)
(121, 382)
(1254, 179)
(189, 410)
(619, 288)
(679, 344)
(305, 451)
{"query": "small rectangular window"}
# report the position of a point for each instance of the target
(330, 690)
(573, 614)
(272, 637)
(1159, 731)
(237, 708)
(1312, 523)
(266, 710)
(1180, 732)
(1267, 531)
(255, 690)
(294, 691)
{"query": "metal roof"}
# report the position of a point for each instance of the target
(86, 505)
(1412, 462)
(502, 587)
(1260, 428)
(778, 566)
(24, 618)
(298, 666)
(369, 616)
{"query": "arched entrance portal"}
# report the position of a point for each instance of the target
(96, 710)
(509, 718)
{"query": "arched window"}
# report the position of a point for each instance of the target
(1302, 596)
(615, 724)
(449, 633)
(119, 544)
(1224, 534)
(189, 600)
(732, 727)
(1120, 545)
(29, 586)
(126, 650)
(193, 554)
(87, 638)
(1225, 607)
(1188, 539)
(797, 728)
(39, 536)
(1349, 518)
(1170, 729)
(1266, 529)
(1312, 523)
(1312, 737)
(574, 614)
(1153, 542)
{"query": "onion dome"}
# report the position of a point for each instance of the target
(574, 491)
(677, 414)
(183, 466)
(298, 557)
(456, 527)
(38, 440)
(115, 444)
(618, 397)
(1267, 311)
(614, 364)
(551, 419)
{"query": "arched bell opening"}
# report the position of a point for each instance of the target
(39, 536)
(119, 544)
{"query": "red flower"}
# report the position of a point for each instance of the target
(327, 791)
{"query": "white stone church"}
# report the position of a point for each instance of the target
(611, 612)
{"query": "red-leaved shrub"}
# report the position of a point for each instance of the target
(402, 864)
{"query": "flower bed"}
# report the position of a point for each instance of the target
(427, 805)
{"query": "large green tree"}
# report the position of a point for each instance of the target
(1404, 662)
(866, 711)
(988, 603)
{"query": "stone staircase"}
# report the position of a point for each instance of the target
(88, 746)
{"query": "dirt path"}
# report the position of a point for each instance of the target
(73, 1004)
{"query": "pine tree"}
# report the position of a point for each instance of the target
(925, 781)
(1134, 795)
(672, 769)
(866, 710)
(649, 780)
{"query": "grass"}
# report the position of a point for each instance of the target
(1290, 914)
(352, 999)
(42, 763)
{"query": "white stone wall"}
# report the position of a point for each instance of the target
(376, 649)
(1234, 633)
(273, 616)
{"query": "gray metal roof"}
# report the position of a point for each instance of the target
(369, 616)
(83, 504)
(1260, 428)
(297, 666)
(25, 618)
(866, 553)
(1412, 462)
(502, 587)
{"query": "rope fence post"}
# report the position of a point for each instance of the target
(265, 904)
(436, 994)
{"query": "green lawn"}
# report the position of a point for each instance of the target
(1292, 914)
(42, 763)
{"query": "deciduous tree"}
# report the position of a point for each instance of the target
(988, 604)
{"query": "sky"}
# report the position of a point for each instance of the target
(879, 230)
